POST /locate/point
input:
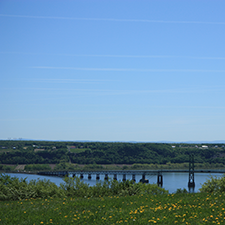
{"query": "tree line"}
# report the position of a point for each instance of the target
(46, 152)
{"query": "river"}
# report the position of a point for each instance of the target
(171, 181)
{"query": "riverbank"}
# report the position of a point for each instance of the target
(34, 168)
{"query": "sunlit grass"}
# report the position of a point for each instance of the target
(198, 208)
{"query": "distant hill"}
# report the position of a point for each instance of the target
(166, 142)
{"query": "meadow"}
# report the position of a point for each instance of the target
(130, 204)
(198, 208)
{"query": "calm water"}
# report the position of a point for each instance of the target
(171, 181)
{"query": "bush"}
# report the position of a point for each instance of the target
(93, 167)
(12, 188)
(75, 187)
(37, 167)
(181, 191)
(7, 168)
(214, 184)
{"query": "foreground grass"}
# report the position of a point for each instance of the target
(198, 208)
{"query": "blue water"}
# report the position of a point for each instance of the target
(171, 181)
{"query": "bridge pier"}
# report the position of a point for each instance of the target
(191, 182)
(133, 177)
(89, 176)
(160, 180)
(143, 180)
(65, 174)
(81, 176)
(124, 177)
(97, 177)
(115, 177)
(106, 176)
(74, 174)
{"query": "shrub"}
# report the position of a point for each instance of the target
(75, 187)
(37, 167)
(181, 191)
(12, 188)
(214, 184)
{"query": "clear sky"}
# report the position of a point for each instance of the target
(112, 70)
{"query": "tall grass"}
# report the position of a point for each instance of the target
(12, 188)
(192, 209)
(112, 202)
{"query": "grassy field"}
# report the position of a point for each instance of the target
(198, 208)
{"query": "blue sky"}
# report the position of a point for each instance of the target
(112, 70)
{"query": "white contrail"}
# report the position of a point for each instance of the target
(112, 19)
(126, 69)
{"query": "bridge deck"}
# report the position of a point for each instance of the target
(135, 172)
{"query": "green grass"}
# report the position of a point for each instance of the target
(198, 208)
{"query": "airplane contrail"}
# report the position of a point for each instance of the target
(113, 19)
(126, 69)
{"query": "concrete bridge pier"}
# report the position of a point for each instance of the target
(74, 174)
(143, 179)
(124, 177)
(89, 176)
(133, 177)
(81, 176)
(97, 177)
(160, 180)
(115, 177)
(106, 176)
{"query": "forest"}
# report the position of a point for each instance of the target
(52, 152)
